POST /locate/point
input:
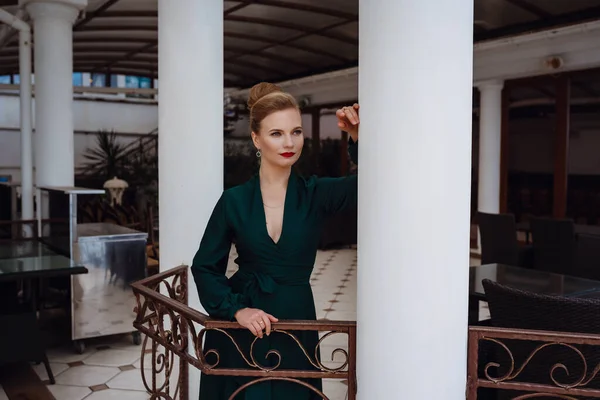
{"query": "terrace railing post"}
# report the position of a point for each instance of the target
(352, 389)
(472, 361)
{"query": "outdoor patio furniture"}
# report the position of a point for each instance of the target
(519, 309)
(525, 279)
(20, 338)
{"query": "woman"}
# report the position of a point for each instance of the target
(275, 219)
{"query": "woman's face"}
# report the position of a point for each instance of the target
(281, 138)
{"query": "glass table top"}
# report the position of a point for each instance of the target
(540, 282)
(30, 259)
(25, 248)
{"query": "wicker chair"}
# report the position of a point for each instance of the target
(512, 308)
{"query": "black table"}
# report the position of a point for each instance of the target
(42, 266)
(21, 339)
(530, 280)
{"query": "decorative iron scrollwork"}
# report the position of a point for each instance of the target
(297, 381)
(513, 374)
(162, 366)
(545, 395)
(170, 326)
(250, 360)
(165, 324)
(565, 348)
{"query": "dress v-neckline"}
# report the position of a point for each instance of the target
(264, 215)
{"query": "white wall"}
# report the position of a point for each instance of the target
(93, 115)
(128, 118)
(10, 155)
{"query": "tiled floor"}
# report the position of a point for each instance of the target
(108, 369)
(110, 366)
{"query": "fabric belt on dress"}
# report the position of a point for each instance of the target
(256, 283)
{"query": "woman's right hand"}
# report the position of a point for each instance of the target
(255, 320)
(348, 120)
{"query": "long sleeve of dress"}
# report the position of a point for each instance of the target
(340, 194)
(210, 264)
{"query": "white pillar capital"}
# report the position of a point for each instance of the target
(492, 84)
(67, 10)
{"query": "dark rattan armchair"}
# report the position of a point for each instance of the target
(512, 308)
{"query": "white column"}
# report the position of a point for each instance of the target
(53, 57)
(490, 121)
(121, 82)
(190, 123)
(415, 91)
(25, 67)
(26, 129)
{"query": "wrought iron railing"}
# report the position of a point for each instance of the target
(171, 328)
(174, 335)
(503, 369)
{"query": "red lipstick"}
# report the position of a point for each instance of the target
(288, 155)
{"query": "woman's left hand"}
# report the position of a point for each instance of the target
(348, 120)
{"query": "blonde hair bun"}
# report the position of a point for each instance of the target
(261, 90)
(266, 98)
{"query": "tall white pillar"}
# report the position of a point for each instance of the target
(26, 128)
(490, 122)
(53, 56)
(415, 91)
(190, 126)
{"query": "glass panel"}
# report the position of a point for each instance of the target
(132, 81)
(98, 80)
(145, 83)
(114, 81)
(77, 79)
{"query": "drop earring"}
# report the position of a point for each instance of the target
(258, 154)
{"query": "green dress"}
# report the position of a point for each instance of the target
(273, 277)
